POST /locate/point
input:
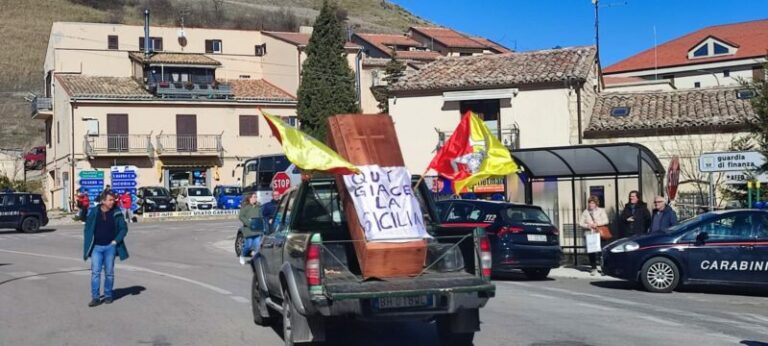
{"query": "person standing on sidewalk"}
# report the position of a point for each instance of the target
(104, 236)
(251, 238)
(592, 218)
(126, 203)
(663, 215)
(83, 204)
(635, 218)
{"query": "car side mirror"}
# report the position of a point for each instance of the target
(702, 238)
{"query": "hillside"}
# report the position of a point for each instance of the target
(25, 27)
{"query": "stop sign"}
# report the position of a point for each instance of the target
(281, 182)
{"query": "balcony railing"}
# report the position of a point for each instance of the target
(192, 90)
(41, 105)
(510, 136)
(118, 145)
(189, 145)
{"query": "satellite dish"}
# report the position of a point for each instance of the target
(182, 37)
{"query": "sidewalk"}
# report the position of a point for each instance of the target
(578, 272)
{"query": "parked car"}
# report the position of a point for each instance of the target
(522, 236)
(722, 247)
(154, 199)
(194, 198)
(35, 158)
(23, 211)
(307, 273)
(228, 196)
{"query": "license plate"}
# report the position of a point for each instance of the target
(537, 237)
(162, 207)
(389, 303)
(205, 206)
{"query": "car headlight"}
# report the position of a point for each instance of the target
(149, 201)
(628, 246)
(173, 201)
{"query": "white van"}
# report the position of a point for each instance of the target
(194, 198)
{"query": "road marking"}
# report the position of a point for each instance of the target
(597, 307)
(540, 296)
(173, 265)
(26, 275)
(131, 268)
(658, 320)
(79, 271)
(240, 299)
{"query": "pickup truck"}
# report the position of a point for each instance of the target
(307, 273)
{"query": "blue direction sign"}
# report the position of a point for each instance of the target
(93, 183)
(124, 180)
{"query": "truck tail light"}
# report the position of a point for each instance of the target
(555, 231)
(485, 256)
(312, 270)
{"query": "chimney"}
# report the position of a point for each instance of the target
(146, 33)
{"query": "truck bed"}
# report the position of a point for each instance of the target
(429, 283)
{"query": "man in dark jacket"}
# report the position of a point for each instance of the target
(104, 235)
(635, 218)
(663, 215)
(269, 210)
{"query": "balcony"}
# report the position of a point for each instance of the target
(192, 90)
(510, 136)
(41, 106)
(118, 145)
(189, 145)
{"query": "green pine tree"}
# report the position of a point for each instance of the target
(327, 83)
(393, 71)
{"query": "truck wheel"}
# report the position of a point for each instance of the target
(288, 312)
(239, 244)
(536, 274)
(257, 304)
(660, 275)
(30, 225)
(448, 337)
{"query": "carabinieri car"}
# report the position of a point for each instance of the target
(723, 247)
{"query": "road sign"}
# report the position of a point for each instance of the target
(91, 175)
(124, 180)
(735, 178)
(281, 182)
(673, 178)
(93, 183)
(737, 161)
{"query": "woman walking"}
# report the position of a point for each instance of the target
(593, 219)
(252, 238)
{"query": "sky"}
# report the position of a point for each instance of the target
(626, 26)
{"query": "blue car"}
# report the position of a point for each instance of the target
(522, 236)
(723, 247)
(228, 197)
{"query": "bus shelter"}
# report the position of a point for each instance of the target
(628, 162)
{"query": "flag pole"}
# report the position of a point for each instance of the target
(416, 187)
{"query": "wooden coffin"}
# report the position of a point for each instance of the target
(367, 139)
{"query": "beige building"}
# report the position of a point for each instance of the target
(187, 113)
(532, 99)
(713, 56)
(681, 123)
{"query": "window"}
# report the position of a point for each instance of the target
(761, 229)
(702, 51)
(213, 46)
(48, 131)
(58, 132)
(726, 73)
(155, 44)
(620, 111)
(9, 200)
(249, 125)
(697, 84)
(292, 120)
(199, 192)
(112, 42)
(321, 209)
(745, 94)
(719, 48)
(487, 110)
(261, 49)
(464, 212)
(465, 54)
(245, 76)
(737, 227)
(526, 215)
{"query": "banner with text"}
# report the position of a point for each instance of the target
(385, 204)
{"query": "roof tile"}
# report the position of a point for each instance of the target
(501, 70)
(665, 111)
(175, 58)
(299, 38)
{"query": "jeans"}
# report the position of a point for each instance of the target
(251, 244)
(103, 256)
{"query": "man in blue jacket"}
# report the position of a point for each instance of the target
(269, 210)
(663, 215)
(104, 234)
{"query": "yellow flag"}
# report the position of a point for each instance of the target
(306, 152)
(496, 159)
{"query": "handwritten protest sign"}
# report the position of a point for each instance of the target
(385, 203)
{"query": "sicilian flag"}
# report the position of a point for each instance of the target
(472, 154)
(306, 152)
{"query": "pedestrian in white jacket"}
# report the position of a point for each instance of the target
(592, 218)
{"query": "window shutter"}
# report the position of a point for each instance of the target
(112, 42)
(141, 44)
(158, 44)
(249, 125)
(209, 46)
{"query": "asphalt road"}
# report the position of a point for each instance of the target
(183, 286)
